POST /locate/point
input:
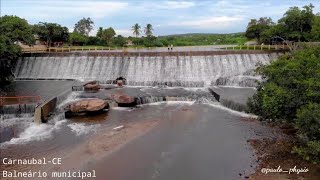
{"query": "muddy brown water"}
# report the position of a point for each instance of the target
(191, 142)
(187, 140)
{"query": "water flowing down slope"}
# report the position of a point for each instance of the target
(187, 71)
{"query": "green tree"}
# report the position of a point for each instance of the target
(298, 22)
(16, 29)
(315, 31)
(108, 35)
(77, 39)
(148, 30)
(13, 30)
(84, 26)
(136, 29)
(276, 30)
(93, 40)
(255, 27)
(120, 41)
(51, 32)
(293, 80)
(9, 53)
(137, 41)
(308, 123)
(290, 92)
(99, 33)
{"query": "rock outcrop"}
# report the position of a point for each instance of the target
(92, 86)
(86, 106)
(123, 100)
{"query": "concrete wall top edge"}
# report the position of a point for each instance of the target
(175, 53)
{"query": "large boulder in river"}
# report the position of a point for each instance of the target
(86, 106)
(93, 85)
(123, 100)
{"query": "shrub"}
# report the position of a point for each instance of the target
(291, 92)
(92, 40)
(308, 121)
(77, 39)
(309, 152)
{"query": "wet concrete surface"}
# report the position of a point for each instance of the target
(44, 88)
(174, 49)
(234, 98)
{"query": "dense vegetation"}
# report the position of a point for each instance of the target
(51, 33)
(291, 94)
(291, 90)
(13, 29)
(203, 39)
(295, 25)
(108, 37)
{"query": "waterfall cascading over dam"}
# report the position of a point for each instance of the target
(187, 71)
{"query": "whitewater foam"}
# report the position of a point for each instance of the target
(35, 132)
(213, 104)
(242, 114)
(122, 108)
(74, 96)
(185, 71)
(169, 103)
(82, 129)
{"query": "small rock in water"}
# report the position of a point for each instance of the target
(120, 83)
(118, 128)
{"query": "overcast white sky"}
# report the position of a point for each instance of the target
(167, 17)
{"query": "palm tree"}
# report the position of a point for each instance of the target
(148, 30)
(136, 29)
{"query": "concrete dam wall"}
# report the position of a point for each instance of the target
(230, 69)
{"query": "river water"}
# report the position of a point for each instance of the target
(192, 136)
(178, 130)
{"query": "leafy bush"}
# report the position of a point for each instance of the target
(309, 152)
(308, 121)
(76, 38)
(291, 92)
(158, 43)
(203, 39)
(290, 83)
(93, 40)
(13, 29)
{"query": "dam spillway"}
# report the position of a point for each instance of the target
(147, 70)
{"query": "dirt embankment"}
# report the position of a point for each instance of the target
(276, 160)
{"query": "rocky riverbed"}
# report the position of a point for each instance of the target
(170, 133)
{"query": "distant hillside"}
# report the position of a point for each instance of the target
(195, 39)
(200, 34)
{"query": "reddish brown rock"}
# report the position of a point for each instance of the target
(123, 99)
(120, 83)
(93, 85)
(88, 105)
(91, 82)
